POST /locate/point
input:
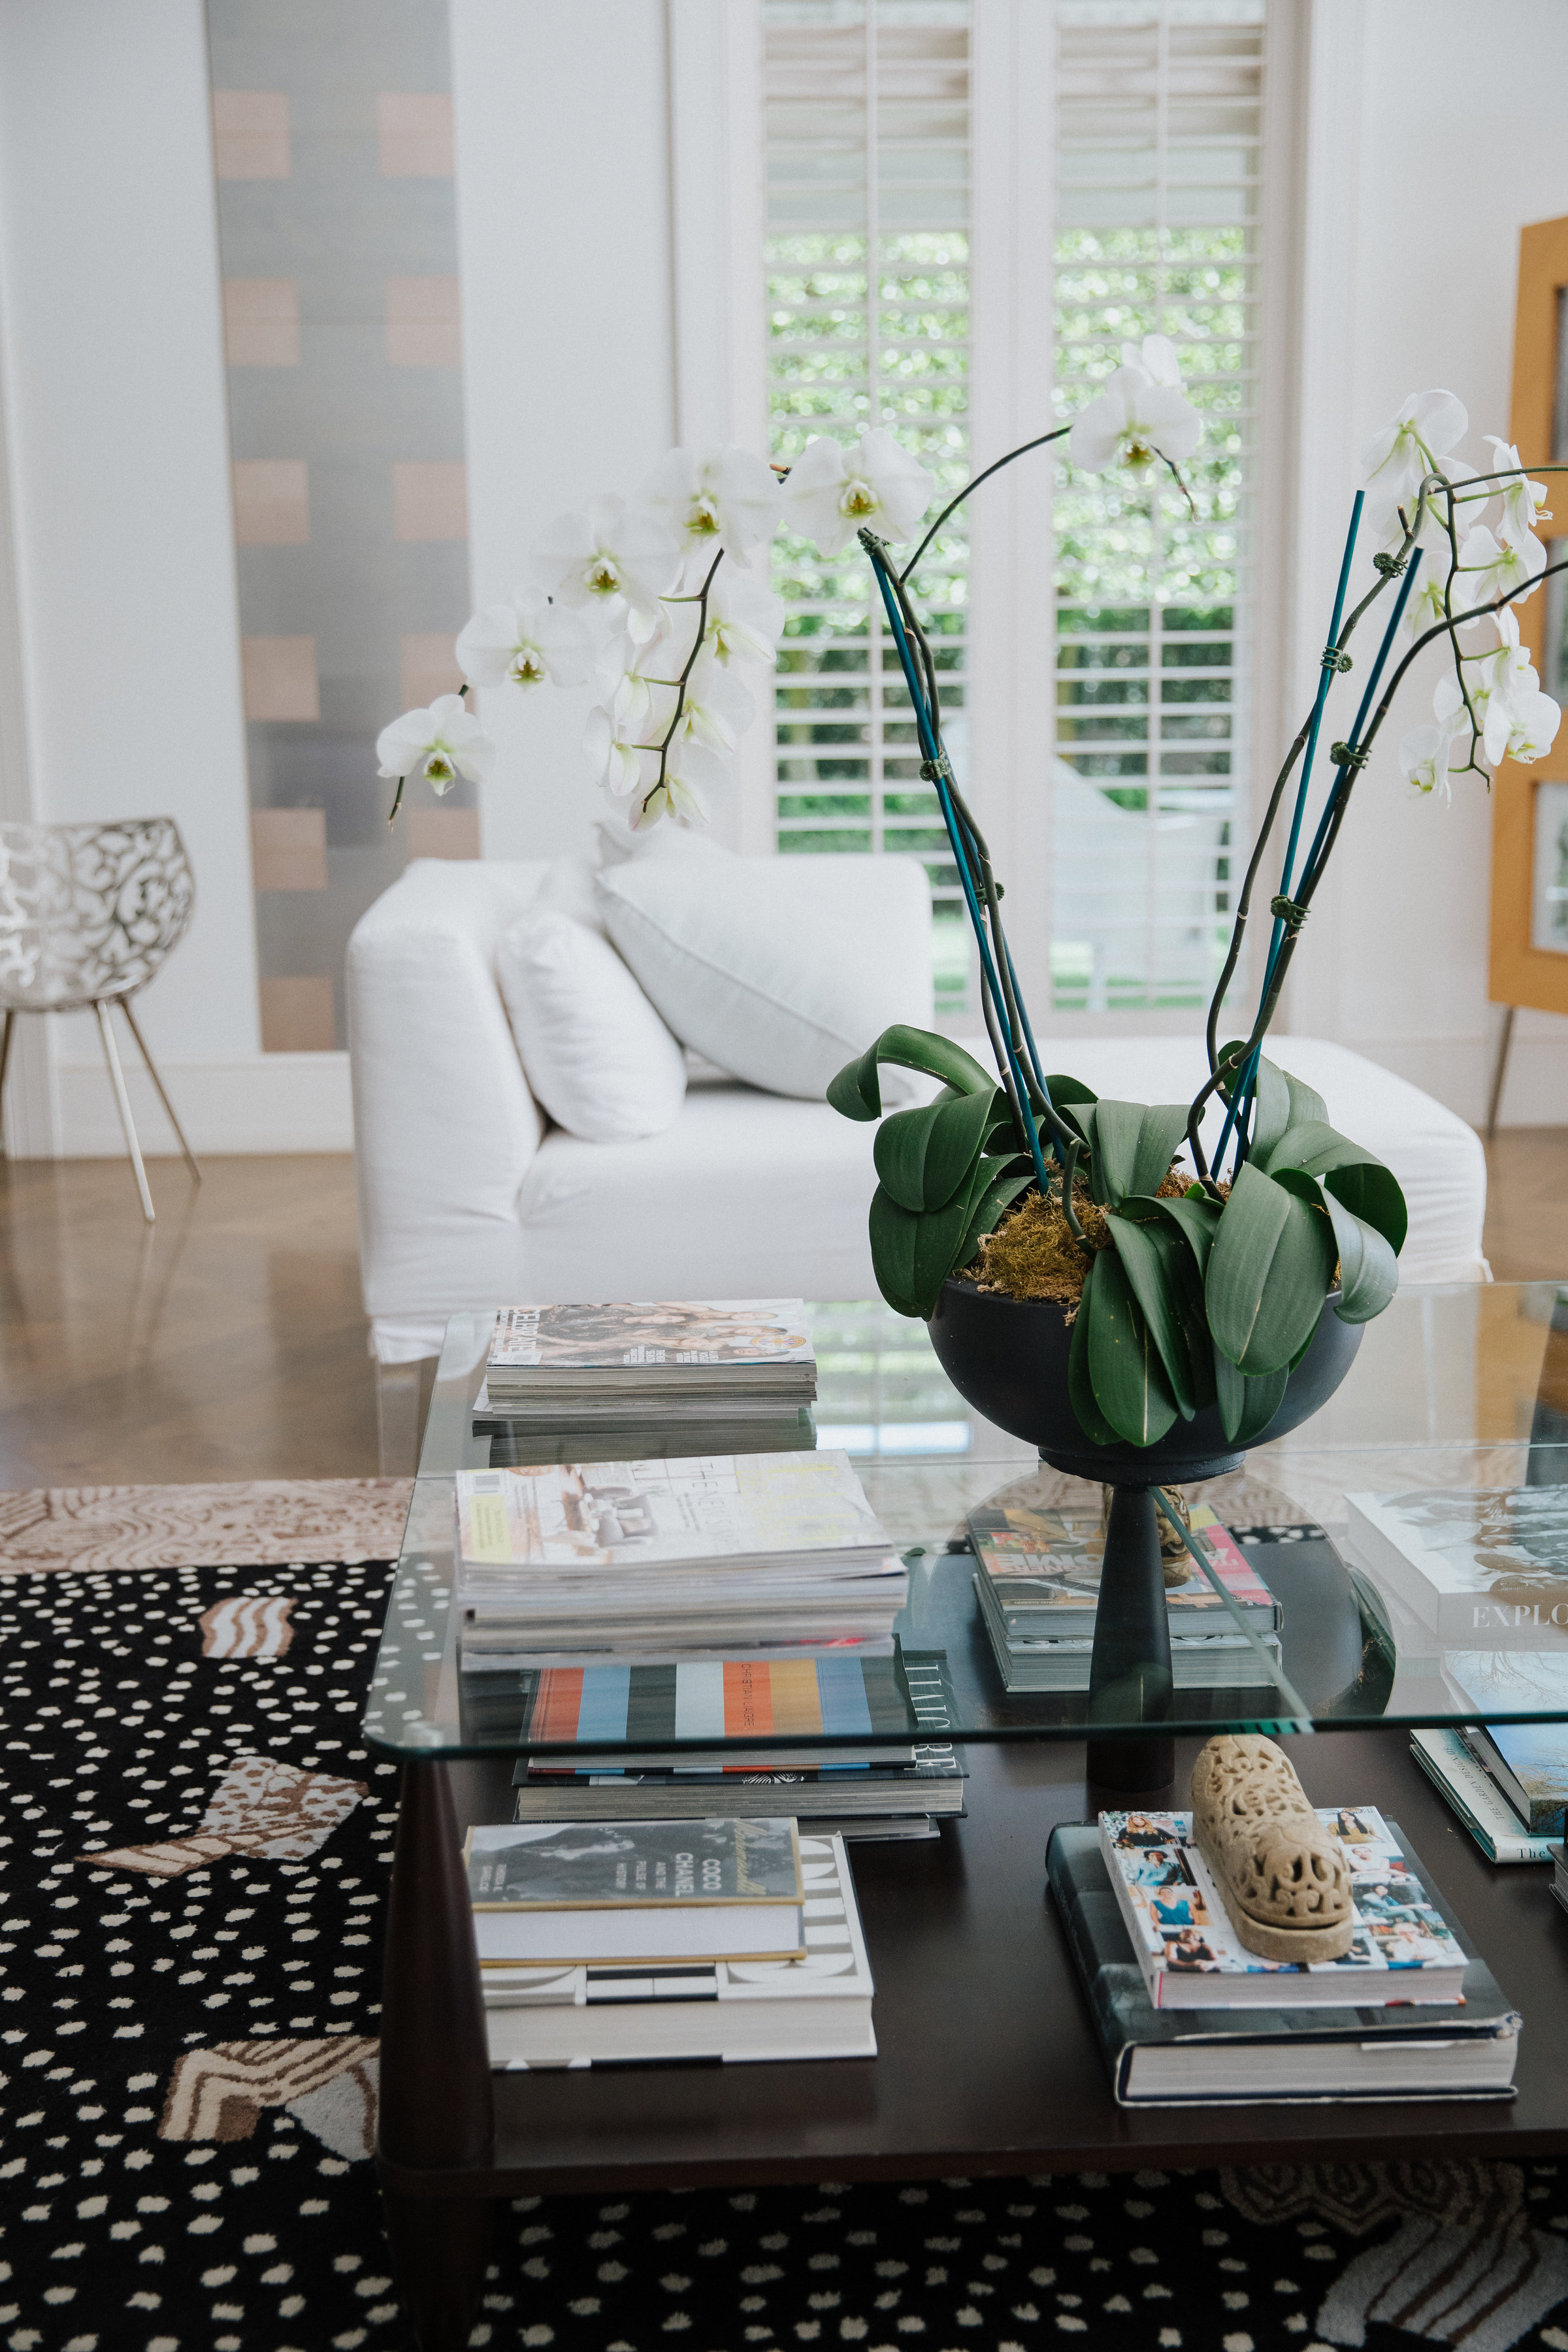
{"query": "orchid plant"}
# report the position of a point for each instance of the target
(1191, 1298)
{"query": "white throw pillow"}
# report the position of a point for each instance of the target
(778, 969)
(596, 1054)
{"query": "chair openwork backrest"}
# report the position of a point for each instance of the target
(88, 912)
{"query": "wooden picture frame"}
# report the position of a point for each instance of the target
(1523, 971)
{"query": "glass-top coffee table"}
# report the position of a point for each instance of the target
(987, 2061)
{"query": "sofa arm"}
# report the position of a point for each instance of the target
(445, 1127)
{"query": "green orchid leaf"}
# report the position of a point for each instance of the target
(1268, 1273)
(990, 1199)
(1272, 1106)
(1081, 1388)
(893, 1251)
(1164, 1125)
(1152, 1255)
(1371, 1192)
(939, 1240)
(1124, 1368)
(1182, 1265)
(856, 1091)
(1247, 1407)
(1197, 1218)
(1313, 1141)
(1305, 1102)
(1116, 1129)
(926, 1156)
(1369, 1271)
(1064, 1090)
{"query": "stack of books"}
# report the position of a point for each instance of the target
(1037, 1582)
(636, 1377)
(701, 1939)
(842, 1789)
(1187, 2016)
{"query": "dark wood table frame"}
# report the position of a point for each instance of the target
(986, 2059)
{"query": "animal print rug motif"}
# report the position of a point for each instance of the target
(252, 1522)
(193, 1871)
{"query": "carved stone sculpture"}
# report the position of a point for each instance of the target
(1284, 1878)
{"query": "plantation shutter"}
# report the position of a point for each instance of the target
(867, 130)
(1158, 173)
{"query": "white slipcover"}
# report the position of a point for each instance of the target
(467, 1198)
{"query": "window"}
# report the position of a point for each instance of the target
(1158, 168)
(867, 306)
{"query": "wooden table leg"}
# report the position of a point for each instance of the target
(436, 2109)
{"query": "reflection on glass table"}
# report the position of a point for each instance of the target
(1414, 1534)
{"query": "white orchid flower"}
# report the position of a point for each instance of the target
(637, 682)
(833, 492)
(611, 556)
(1488, 570)
(745, 620)
(1535, 720)
(716, 709)
(1523, 501)
(682, 797)
(1427, 606)
(1423, 757)
(1137, 418)
(1156, 355)
(524, 641)
(729, 498)
(446, 742)
(616, 760)
(1396, 458)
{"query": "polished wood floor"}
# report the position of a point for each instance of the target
(229, 1340)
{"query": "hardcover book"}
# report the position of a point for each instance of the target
(1203, 2057)
(1191, 1956)
(1486, 1567)
(1474, 1795)
(729, 2012)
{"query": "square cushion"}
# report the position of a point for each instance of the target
(596, 1054)
(777, 969)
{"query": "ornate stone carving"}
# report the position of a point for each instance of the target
(1283, 1877)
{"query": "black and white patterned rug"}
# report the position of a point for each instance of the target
(193, 1861)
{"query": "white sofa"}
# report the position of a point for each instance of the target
(467, 1196)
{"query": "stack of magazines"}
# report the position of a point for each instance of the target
(696, 1940)
(719, 1556)
(725, 1375)
(1037, 1582)
(846, 1784)
(1187, 2015)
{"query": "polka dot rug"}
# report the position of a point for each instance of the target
(193, 1858)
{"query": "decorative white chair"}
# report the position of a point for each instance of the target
(88, 914)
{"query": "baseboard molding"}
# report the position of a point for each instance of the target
(273, 1102)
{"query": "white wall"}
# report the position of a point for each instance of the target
(1436, 135)
(123, 542)
(564, 239)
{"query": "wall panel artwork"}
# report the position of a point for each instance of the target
(333, 149)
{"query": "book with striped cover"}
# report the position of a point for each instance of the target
(706, 1702)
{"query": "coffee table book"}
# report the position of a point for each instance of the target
(1486, 1567)
(1475, 1798)
(1191, 1956)
(653, 1350)
(730, 2012)
(1216, 2057)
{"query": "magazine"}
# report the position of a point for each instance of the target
(661, 1340)
(1043, 1567)
(728, 1509)
(1191, 1956)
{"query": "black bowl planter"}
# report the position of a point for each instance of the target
(1008, 1357)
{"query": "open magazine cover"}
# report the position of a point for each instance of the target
(1046, 1559)
(651, 1332)
(721, 1506)
(1180, 1926)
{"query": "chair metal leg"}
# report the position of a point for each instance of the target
(117, 1079)
(4, 1065)
(192, 1162)
(1499, 1071)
